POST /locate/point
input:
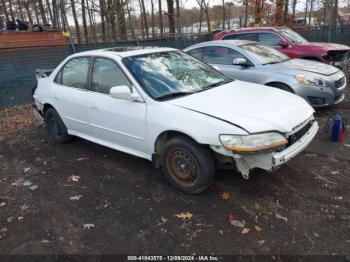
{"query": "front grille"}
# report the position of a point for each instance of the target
(339, 57)
(299, 134)
(340, 82)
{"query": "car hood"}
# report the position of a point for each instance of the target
(314, 47)
(306, 65)
(253, 107)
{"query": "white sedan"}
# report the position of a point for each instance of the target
(165, 106)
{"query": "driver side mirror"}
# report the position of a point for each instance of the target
(283, 43)
(123, 92)
(241, 62)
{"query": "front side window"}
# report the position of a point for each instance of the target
(107, 74)
(264, 54)
(269, 39)
(168, 75)
(220, 55)
(75, 72)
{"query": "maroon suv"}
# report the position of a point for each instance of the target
(292, 44)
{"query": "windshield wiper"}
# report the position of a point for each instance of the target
(174, 95)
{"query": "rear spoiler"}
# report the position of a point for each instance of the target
(42, 73)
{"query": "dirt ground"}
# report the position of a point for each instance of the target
(82, 198)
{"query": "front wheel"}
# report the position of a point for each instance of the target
(282, 87)
(56, 127)
(187, 165)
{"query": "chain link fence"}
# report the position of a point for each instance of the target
(17, 66)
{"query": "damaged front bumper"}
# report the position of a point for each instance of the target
(271, 160)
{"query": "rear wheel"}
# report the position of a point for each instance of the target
(282, 87)
(187, 165)
(56, 127)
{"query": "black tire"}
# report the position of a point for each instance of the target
(56, 127)
(282, 87)
(187, 165)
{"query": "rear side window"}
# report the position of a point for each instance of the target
(248, 36)
(74, 73)
(107, 74)
(220, 55)
(269, 39)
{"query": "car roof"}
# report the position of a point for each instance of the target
(248, 29)
(126, 51)
(221, 43)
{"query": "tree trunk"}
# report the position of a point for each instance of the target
(76, 23)
(207, 14)
(279, 12)
(103, 21)
(171, 21)
(294, 8)
(152, 19)
(7, 17)
(121, 20)
(50, 11)
(36, 12)
(145, 18)
(285, 12)
(160, 18)
(246, 13)
(223, 15)
(11, 11)
(142, 21)
(20, 9)
(83, 14)
(92, 25)
(178, 16)
(310, 12)
(55, 15)
(306, 8)
(200, 2)
(257, 12)
(42, 12)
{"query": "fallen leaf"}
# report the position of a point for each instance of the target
(231, 217)
(88, 226)
(82, 158)
(27, 183)
(33, 187)
(221, 232)
(20, 218)
(225, 195)
(281, 217)
(261, 242)
(257, 228)
(245, 231)
(163, 219)
(184, 216)
(2, 204)
(25, 170)
(3, 230)
(237, 223)
(74, 178)
(335, 172)
(9, 219)
(316, 234)
(17, 183)
(338, 198)
(75, 198)
(45, 241)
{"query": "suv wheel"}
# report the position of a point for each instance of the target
(56, 127)
(187, 165)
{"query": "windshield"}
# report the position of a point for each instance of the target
(168, 75)
(293, 36)
(264, 54)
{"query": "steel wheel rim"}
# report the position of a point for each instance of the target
(182, 166)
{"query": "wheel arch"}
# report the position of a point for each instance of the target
(276, 83)
(161, 139)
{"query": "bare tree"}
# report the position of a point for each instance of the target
(285, 12)
(49, 11)
(152, 19)
(121, 20)
(145, 18)
(7, 17)
(83, 14)
(178, 16)
(42, 12)
(171, 21)
(76, 22)
(160, 17)
(223, 15)
(55, 15)
(11, 11)
(279, 12)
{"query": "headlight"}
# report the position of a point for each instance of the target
(252, 143)
(305, 80)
